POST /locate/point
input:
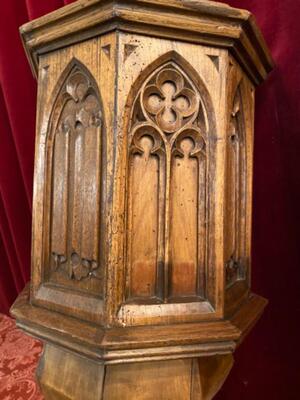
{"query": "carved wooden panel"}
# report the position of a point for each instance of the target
(74, 160)
(236, 192)
(167, 187)
(188, 213)
(157, 194)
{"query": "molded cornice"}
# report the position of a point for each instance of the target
(198, 21)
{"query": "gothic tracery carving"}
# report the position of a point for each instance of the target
(169, 101)
(169, 114)
(77, 120)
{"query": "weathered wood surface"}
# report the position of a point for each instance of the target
(199, 21)
(185, 379)
(142, 196)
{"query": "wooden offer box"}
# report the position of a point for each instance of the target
(142, 196)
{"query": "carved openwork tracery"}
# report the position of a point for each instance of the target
(76, 127)
(236, 184)
(169, 100)
(167, 164)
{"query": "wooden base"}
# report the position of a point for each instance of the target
(84, 361)
(63, 375)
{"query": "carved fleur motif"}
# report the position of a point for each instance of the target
(232, 269)
(78, 269)
(169, 101)
(82, 268)
(58, 260)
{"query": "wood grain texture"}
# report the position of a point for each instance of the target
(239, 156)
(167, 183)
(150, 237)
(68, 381)
(142, 196)
(187, 379)
(201, 21)
(120, 345)
(169, 102)
(76, 170)
(213, 371)
(156, 380)
(82, 185)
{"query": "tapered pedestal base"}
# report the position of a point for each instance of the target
(84, 361)
(63, 375)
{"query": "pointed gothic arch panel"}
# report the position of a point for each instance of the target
(167, 192)
(74, 159)
(236, 191)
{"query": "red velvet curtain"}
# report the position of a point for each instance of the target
(267, 363)
(17, 121)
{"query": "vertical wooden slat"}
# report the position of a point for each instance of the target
(76, 189)
(144, 230)
(184, 226)
(60, 193)
(91, 194)
(202, 219)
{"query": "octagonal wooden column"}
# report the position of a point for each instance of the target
(142, 196)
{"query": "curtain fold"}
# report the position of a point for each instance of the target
(8, 287)
(19, 88)
(17, 134)
(17, 128)
(15, 265)
(37, 8)
(12, 267)
(15, 216)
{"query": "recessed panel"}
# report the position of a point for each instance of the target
(74, 155)
(167, 188)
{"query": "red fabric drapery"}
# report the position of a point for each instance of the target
(19, 355)
(266, 366)
(17, 120)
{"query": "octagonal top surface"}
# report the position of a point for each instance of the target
(198, 21)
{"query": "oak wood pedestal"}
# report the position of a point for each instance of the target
(142, 197)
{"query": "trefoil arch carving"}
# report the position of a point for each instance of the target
(171, 124)
(74, 148)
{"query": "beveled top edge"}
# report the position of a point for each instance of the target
(204, 6)
(198, 21)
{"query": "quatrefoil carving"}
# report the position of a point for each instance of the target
(170, 100)
(168, 180)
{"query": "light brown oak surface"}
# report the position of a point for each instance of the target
(187, 379)
(142, 196)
